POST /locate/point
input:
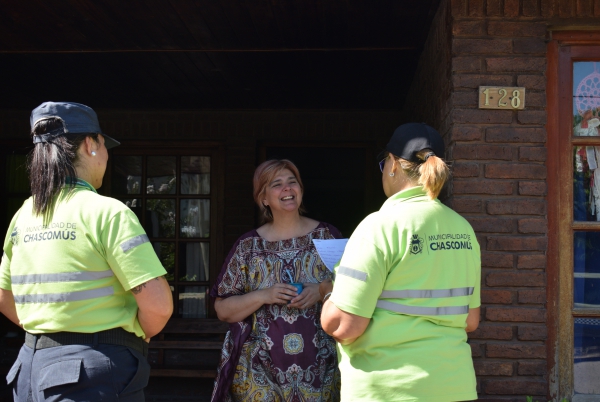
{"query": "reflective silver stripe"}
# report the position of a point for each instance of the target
(401, 308)
(62, 277)
(425, 294)
(64, 297)
(352, 273)
(134, 242)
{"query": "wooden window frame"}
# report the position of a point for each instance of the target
(564, 48)
(183, 148)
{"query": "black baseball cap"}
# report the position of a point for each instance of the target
(76, 119)
(410, 138)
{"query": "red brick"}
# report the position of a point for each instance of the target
(513, 134)
(584, 8)
(532, 332)
(491, 225)
(515, 387)
(485, 368)
(529, 46)
(472, 151)
(475, 80)
(535, 261)
(596, 8)
(532, 154)
(494, 8)
(532, 367)
(459, 8)
(466, 133)
(497, 260)
(532, 82)
(566, 8)
(547, 8)
(476, 116)
(532, 117)
(465, 170)
(515, 171)
(464, 98)
(512, 29)
(511, 8)
(535, 99)
(496, 332)
(497, 297)
(507, 279)
(533, 225)
(466, 205)
(468, 64)
(481, 46)
(532, 188)
(515, 314)
(466, 28)
(516, 243)
(476, 8)
(530, 8)
(476, 349)
(532, 296)
(482, 187)
(516, 207)
(516, 64)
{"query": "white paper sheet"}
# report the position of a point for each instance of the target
(330, 250)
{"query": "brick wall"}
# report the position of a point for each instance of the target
(499, 173)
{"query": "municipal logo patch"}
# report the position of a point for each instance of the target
(416, 244)
(14, 236)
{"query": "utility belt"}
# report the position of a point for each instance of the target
(115, 336)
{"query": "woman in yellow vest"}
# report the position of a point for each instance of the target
(78, 272)
(407, 287)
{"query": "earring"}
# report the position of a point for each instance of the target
(392, 174)
(93, 153)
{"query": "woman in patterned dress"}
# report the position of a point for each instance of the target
(275, 349)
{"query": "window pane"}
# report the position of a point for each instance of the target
(160, 218)
(17, 179)
(586, 99)
(195, 175)
(586, 183)
(587, 356)
(193, 261)
(126, 176)
(166, 254)
(161, 175)
(135, 204)
(192, 301)
(195, 218)
(586, 270)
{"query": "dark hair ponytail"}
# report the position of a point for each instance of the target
(51, 163)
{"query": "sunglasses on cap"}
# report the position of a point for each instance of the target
(382, 164)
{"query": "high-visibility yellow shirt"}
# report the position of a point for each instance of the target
(74, 270)
(414, 269)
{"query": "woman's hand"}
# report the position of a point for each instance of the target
(308, 298)
(280, 293)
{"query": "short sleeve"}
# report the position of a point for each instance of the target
(129, 251)
(360, 275)
(232, 281)
(5, 281)
(475, 300)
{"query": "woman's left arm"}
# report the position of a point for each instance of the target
(342, 326)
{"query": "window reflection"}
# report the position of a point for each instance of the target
(587, 356)
(162, 175)
(195, 175)
(126, 177)
(193, 261)
(195, 218)
(586, 266)
(191, 301)
(160, 221)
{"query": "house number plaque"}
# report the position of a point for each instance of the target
(511, 98)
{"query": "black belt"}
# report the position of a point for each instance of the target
(115, 336)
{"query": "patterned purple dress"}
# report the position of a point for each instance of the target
(279, 353)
